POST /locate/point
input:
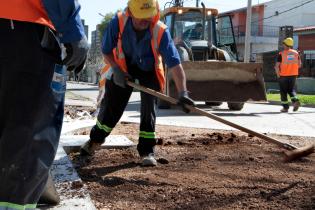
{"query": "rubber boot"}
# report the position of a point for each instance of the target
(149, 160)
(296, 105)
(50, 195)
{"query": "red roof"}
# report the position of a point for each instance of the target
(308, 28)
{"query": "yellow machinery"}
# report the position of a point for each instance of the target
(206, 44)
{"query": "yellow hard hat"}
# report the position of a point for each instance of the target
(288, 42)
(143, 9)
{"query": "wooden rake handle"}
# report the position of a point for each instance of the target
(212, 116)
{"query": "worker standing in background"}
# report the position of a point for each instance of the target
(32, 87)
(134, 44)
(287, 70)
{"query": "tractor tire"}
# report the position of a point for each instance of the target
(235, 106)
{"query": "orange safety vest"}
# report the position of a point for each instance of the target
(102, 81)
(157, 29)
(25, 10)
(290, 63)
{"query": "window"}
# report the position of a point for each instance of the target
(309, 62)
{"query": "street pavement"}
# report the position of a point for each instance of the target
(264, 118)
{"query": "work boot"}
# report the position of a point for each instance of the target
(50, 195)
(284, 110)
(149, 160)
(89, 147)
(296, 105)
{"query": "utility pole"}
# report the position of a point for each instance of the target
(248, 32)
(197, 3)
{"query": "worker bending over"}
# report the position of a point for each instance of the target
(134, 44)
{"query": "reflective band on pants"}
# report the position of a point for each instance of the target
(147, 135)
(12, 206)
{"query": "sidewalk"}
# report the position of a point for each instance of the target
(260, 117)
(82, 83)
(73, 102)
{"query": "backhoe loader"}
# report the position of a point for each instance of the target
(206, 44)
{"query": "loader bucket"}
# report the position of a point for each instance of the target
(223, 81)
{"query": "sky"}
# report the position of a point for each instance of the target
(91, 9)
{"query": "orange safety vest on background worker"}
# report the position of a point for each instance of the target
(28, 10)
(157, 29)
(289, 65)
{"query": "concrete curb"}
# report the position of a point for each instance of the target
(73, 193)
(83, 83)
(70, 102)
(279, 103)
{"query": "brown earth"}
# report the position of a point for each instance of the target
(73, 111)
(199, 169)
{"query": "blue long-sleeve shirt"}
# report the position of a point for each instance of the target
(139, 52)
(64, 14)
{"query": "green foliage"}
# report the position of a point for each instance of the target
(307, 99)
(304, 99)
(102, 26)
(273, 97)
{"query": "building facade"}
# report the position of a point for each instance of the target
(86, 28)
(306, 46)
(265, 23)
(296, 13)
(95, 59)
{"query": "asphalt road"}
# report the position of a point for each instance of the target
(264, 118)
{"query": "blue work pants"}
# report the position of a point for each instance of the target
(32, 88)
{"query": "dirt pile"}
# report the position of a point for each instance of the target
(199, 169)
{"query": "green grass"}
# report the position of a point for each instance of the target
(304, 99)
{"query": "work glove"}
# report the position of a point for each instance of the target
(184, 99)
(120, 77)
(76, 54)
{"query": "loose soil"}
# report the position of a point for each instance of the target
(199, 169)
(74, 112)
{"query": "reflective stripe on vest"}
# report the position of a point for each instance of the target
(290, 63)
(25, 10)
(157, 31)
(103, 76)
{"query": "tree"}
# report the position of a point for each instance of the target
(102, 26)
